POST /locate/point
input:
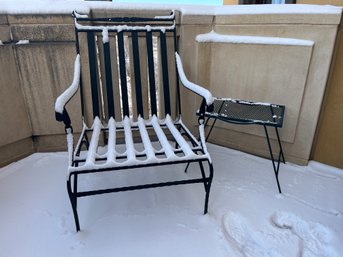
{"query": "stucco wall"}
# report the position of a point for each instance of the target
(42, 69)
(328, 144)
(292, 75)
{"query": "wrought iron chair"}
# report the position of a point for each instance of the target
(127, 71)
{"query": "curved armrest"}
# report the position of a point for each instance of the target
(64, 98)
(207, 102)
(199, 90)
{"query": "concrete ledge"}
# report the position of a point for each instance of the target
(327, 19)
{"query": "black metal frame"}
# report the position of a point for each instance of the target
(72, 180)
(273, 122)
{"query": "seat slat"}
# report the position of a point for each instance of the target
(178, 137)
(162, 138)
(130, 148)
(149, 150)
(93, 145)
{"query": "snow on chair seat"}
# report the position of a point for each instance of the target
(127, 73)
(113, 159)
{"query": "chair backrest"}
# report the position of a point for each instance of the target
(127, 67)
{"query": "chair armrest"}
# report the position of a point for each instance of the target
(208, 99)
(61, 101)
(199, 90)
(65, 97)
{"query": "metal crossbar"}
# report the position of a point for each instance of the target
(248, 113)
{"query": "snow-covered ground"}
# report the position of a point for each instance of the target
(246, 215)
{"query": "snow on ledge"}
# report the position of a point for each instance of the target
(68, 6)
(255, 40)
(23, 42)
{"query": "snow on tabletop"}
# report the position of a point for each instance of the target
(256, 40)
(191, 86)
(62, 100)
(246, 218)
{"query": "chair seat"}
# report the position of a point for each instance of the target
(144, 143)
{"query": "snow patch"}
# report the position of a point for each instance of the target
(1, 44)
(254, 40)
(23, 42)
(105, 35)
(165, 221)
(314, 237)
(244, 239)
(167, 17)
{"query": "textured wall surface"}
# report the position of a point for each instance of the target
(34, 74)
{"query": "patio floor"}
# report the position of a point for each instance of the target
(247, 217)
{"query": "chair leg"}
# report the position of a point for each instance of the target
(73, 200)
(203, 174)
(211, 128)
(280, 146)
(276, 168)
(187, 167)
(208, 187)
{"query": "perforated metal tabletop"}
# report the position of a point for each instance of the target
(247, 112)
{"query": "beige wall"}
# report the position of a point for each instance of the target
(328, 143)
(328, 146)
(292, 75)
(41, 70)
(329, 2)
(231, 2)
(15, 127)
